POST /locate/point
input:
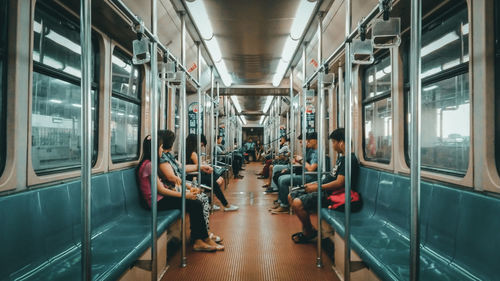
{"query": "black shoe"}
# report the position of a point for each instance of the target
(261, 177)
(271, 191)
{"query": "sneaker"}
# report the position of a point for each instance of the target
(271, 191)
(280, 210)
(215, 207)
(231, 208)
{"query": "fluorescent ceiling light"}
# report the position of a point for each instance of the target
(200, 17)
(214, 49)
(465, 29)
(290, 46)
(267, 104)
(262, 119)
(224, 75)
(438, 44)
(431, 72)
(430, 88)
(243, 119)
(236, 103)
(302, 16)
(280, 71)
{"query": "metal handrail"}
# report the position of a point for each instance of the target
(373, 14)
(153, 38)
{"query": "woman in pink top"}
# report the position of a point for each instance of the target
(169, 199)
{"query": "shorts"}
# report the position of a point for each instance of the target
(310, 200)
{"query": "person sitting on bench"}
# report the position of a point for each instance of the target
(304, 201)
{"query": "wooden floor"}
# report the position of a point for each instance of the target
(258, 244)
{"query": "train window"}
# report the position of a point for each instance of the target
(445, 94)
(3, 79)
(125, 108)
(377, 111)
(56, 107)
(497, 81)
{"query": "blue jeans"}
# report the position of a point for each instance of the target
(284, 185)
(277, 169)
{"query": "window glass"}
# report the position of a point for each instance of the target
(445, 135)
(445, 44)
(125, 108)
(3, 79)
(497, 83)
(124, 130)
(56, 106)
(377, 78)
(377, 111)
(126, 76)
(58, 47)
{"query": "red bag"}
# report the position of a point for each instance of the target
(337, 200)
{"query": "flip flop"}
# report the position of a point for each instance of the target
(300, 238)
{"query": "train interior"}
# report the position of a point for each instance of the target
(249, 140)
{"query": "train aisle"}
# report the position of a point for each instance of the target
(258, 244)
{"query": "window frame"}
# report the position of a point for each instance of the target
(37, 67)
(138, 101)
(372, 100)
(455, 71)
(4, 32)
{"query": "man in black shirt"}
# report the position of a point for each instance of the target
(305, 201)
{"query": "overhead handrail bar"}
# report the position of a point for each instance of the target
(373, 14)
(137, 21)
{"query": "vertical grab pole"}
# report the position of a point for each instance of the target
(182, 152)
(154, 147)
(304, 112)
(340, 94)
(213, 136)
(415, 111)
(200, 106)
(347, 108)
(86, 137)
(291, 128)
(321, 121)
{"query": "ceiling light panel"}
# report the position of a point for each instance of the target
(200, 16)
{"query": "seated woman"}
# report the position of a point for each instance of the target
(192, 159)
(170, 198)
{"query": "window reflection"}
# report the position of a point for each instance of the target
(56, 94)
(126, 77)
(124, 130)
(125, 108)
(57, 43)
(445, 134)
(377, 106)
(56, 124)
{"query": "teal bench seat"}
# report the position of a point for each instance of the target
(459, 229)
(41, 229)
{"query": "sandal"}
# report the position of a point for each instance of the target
(300, 238)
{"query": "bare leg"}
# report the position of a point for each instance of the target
(303, 216)
(270, 175)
